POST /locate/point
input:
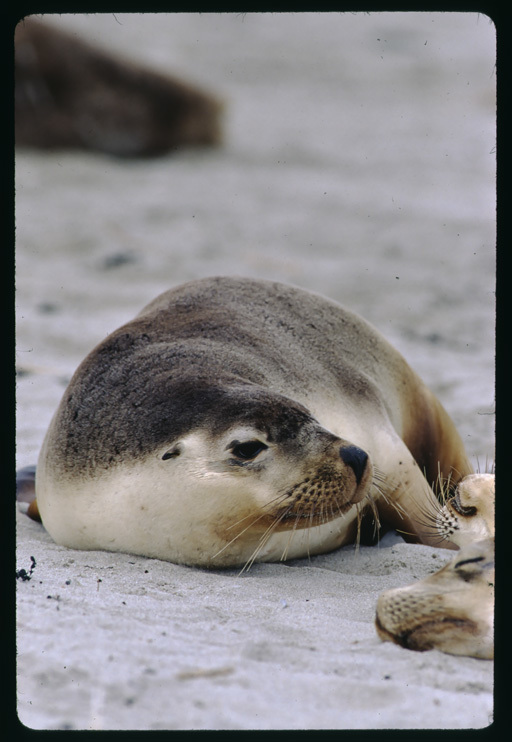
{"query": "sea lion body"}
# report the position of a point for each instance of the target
(236, 419)
(71, 94)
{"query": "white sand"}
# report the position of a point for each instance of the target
(359, 162)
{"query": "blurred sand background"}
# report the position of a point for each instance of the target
(358, 162)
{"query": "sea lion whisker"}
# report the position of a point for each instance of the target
(268, 506)
(248, 564)
(429, 512)
(246, 517)
(369, 501)
(333, 513)
(379, 474)
(235, 538)
(405, 533)
(399, 508)
(311, 516)
(244, 530)
(427, 521)
(326, 512)
(489, 468)
(385, 488)
(293, 530)
(434, 537)
(311, 521)
(382, 493)
(358, 528)
(376, 518)
(263, 541)
(270, 530)
(388, 495)
(251, 524)
(443, 487)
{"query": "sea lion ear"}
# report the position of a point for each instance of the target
(172, 453)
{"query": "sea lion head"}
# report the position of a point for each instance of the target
(260, 466)
(469, 515)
(451, 610)
(245, 473)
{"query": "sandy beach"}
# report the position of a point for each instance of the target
(358, 161)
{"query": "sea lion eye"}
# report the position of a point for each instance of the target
(470, 569)
(461, 509)
(172, 454)
(473, 560)
(248, 450)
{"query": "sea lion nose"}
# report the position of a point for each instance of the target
(356, 458)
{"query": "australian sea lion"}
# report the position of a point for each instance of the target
(71, 94)
(237, 419)
(453, 609)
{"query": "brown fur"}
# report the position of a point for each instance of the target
(324, 393)
(70, 94)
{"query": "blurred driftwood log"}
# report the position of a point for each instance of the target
(70, 94)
